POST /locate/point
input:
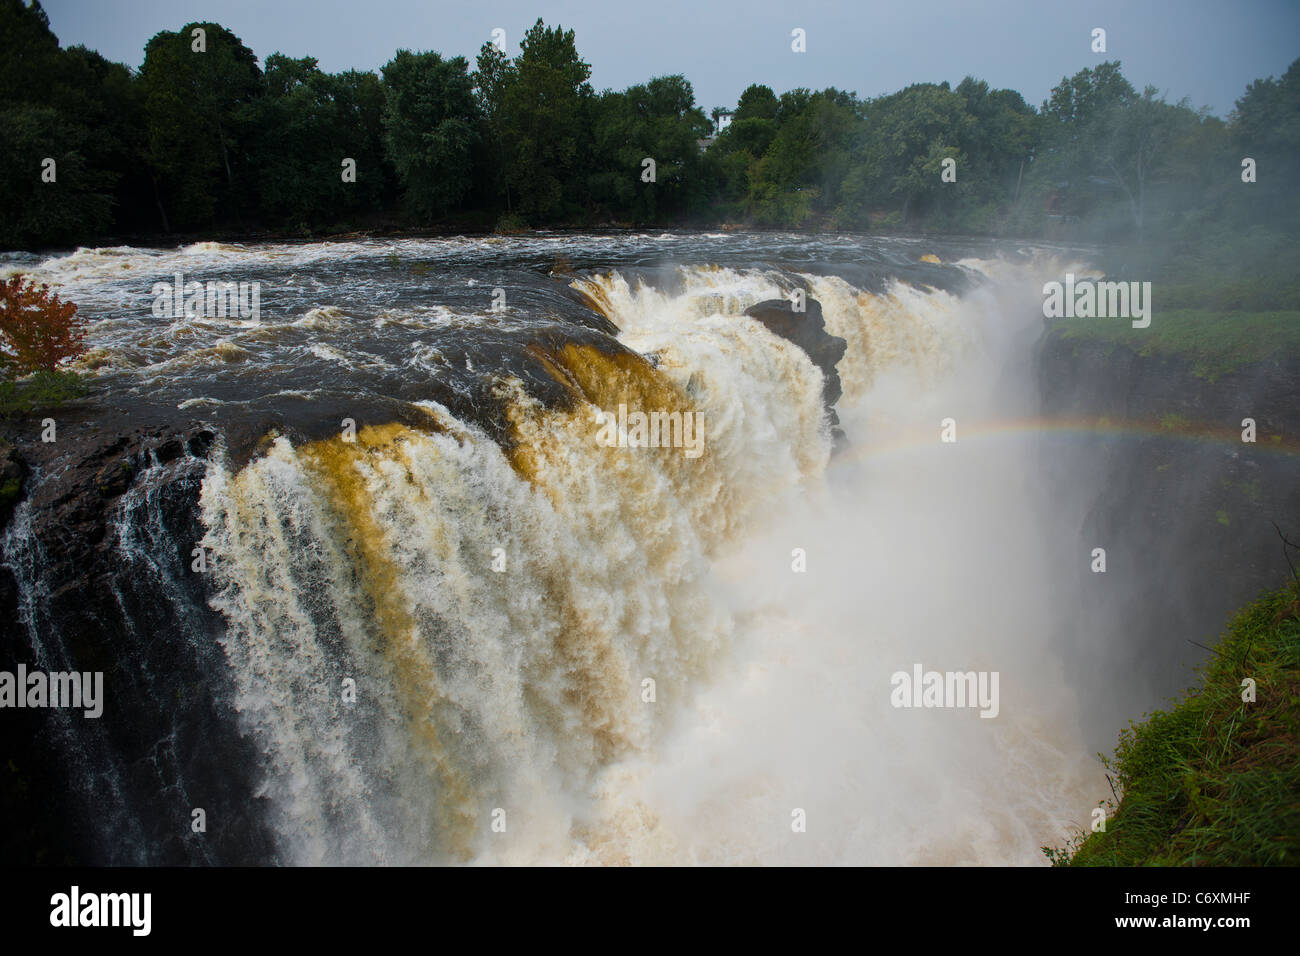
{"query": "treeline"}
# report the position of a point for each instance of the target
(201, 138)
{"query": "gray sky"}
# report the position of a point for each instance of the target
(1206, 50)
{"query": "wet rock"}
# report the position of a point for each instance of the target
(807, 330)
(13, 472)
(110, 560)
(168, 450)
(199, 442)
(114, 478)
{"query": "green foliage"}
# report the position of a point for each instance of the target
(198, 111)
(39, 392)
(430, 128)
(1078, 99)
(10, 490)
(915, 130)
(543, 117)
(495, 73)
(510, 225)
(1214, 343)
(72, 106)
(31, 52)
(782, 161)
(758, 102)
(1214, 780)
(1266, 127)
(198, 140)
(657, 120)
(76, 204)
(825, 158)
(308, 121)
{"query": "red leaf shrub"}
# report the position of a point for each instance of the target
(37, 331)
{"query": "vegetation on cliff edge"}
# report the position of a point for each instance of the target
(1215, 779)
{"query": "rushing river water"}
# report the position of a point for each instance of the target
(465, 628)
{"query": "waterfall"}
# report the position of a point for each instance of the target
(454, 650)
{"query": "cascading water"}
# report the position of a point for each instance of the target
(451, 644)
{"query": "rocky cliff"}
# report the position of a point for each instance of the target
(1183, 506)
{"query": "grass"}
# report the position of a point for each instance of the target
(1215, 343)
(1233, 267)
(42, 390)
(1214, 780)
(1223, 297)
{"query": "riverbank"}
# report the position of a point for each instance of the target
(1214, 780)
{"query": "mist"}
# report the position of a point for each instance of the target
(918, 551)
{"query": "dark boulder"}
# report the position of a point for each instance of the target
(807, 329)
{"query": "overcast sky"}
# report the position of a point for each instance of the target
(1206, 50)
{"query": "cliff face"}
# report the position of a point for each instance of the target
(98, 565)
(1184, 508)
(1102, 379)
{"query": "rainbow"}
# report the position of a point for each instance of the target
(887, 440)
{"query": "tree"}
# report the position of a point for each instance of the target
(658, 120)
(754, 126)
(1077, 99)
(1131, 144)
(1265, 126)
(37, 331)
(430, 128)
(194, 105)
(546, 116)
(800, 173)
(1066, 170)
(1106, 147)
(303, 127)
(359, 99)
(495, 74)
(30, 63)
(999, 143)
(72, 107)
(1268, 114)
(78, 204)
(905, 138)
(757, 102)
